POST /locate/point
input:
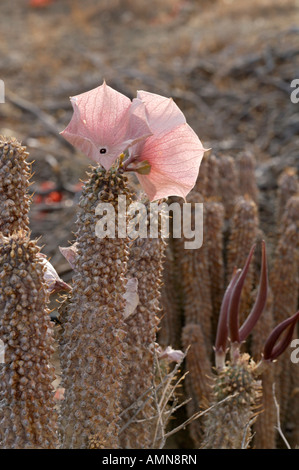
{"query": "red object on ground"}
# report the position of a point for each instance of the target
(51, 197)
(40, 3)
(38, 199)
(54, 196)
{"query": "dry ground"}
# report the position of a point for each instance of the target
(228, 64)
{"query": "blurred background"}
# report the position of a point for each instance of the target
(227, 64)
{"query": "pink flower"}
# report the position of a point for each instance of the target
(164, 151)
(70, 253)
(59, 394)
(169, 159)
(105, 123)
(171, 355)
(51, 278)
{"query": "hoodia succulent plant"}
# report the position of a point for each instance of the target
(93, 345)
(237, 390)
(14, 182)
(228, 425)
(145, 265)
(27, 415)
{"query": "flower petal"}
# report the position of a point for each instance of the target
(163, 113)
(104, 124)
(222, 327)
(52, 280)
(261, 299)
(234, 304)
(171, 355)
(59, 394)
(274, 348)
(175, 157)
(70, 253)
(138, 127)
